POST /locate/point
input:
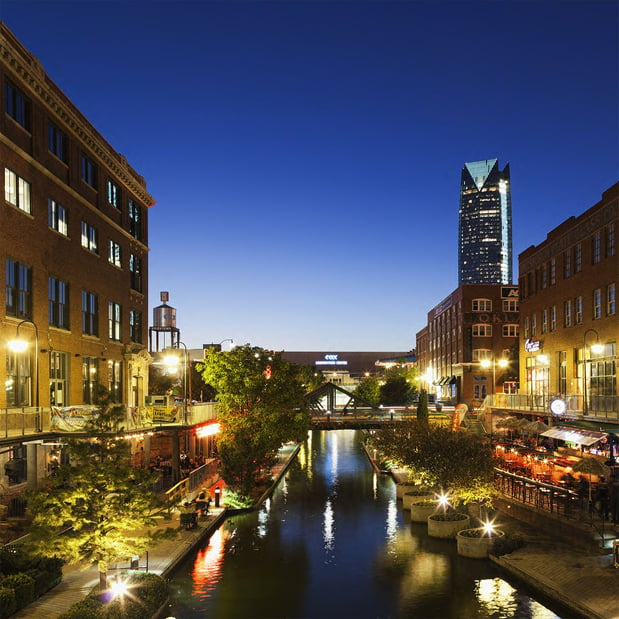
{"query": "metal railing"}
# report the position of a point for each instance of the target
(598, 406)
(28, 420)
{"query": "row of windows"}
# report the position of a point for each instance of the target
(19, 377)
(485, 305)
(18, 107)
(17, 192)
(573, 311)
(602, 244)
(18, 294)
(485, 330)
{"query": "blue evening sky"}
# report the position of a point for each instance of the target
(305, 157)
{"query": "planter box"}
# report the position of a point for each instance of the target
(420, 513)
(414, 496)
(476, 547)
(400, 489)
(447, 529)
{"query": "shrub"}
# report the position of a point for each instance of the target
(507, 544)
(8, 605)
(23, 586)
(88, 608)
(150, 588)
(148, 592)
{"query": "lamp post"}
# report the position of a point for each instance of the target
(486, 363)
(18, 345)
(185, 381)
(595, 348)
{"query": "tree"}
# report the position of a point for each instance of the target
(160, 381)
(309, 377)
(369, 390)
(395, 391)
(198, 389)
(261, 407)
(422, 406)
(107, 508)
(460, 462)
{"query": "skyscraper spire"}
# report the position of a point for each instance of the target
(485, 225)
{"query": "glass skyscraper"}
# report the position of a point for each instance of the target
(485, 226)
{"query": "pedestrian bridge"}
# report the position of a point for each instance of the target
(336, 408)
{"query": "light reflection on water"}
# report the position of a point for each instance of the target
(334, 530)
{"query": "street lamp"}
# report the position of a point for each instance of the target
(171, 361)
(596, 348)
(486, 363)
(19, 345)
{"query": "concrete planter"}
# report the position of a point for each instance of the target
(447, 529)
(476, 547)
(414, 496)
(403, 487)
(421, 511)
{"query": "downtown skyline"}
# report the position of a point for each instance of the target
(305, 157)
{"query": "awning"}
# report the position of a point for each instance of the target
(581, 437)
(452, 380)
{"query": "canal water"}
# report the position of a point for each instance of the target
(334, 543)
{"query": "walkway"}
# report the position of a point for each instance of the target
(79, 580)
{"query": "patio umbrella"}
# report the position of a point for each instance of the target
(536, 427)
(592, 466)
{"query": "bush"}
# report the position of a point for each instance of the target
(8, 605)
(148, 593)
(150, 588)
(88, 608)
(23, 586)
(507, 544)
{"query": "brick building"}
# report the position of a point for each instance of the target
(569, 328)
(74, 232)
(468, 335)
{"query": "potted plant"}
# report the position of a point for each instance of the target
(414, 496)
(422, 509)
(479, 542)
(446, 524)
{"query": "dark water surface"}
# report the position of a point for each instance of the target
(333, 543)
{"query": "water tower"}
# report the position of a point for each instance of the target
(164, 321)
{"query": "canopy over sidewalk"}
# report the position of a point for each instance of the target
(573, 435)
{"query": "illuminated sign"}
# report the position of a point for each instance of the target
(558, 406)
(532, 345)
(331, 360)
(207, 430)
(509, 292)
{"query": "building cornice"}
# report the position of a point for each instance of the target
(32, 74)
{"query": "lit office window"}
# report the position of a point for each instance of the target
(57, 217)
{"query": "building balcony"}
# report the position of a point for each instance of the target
(603, 408)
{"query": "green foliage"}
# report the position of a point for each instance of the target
(23, 586)
(508, 544)
(260, 408)
(395, 391)
(147, 593)
(460, 462)
(110, 505)
(8, 605)
(235, 500)
(309, 377)
(88, 608)
(422, 407)
(369, 390)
